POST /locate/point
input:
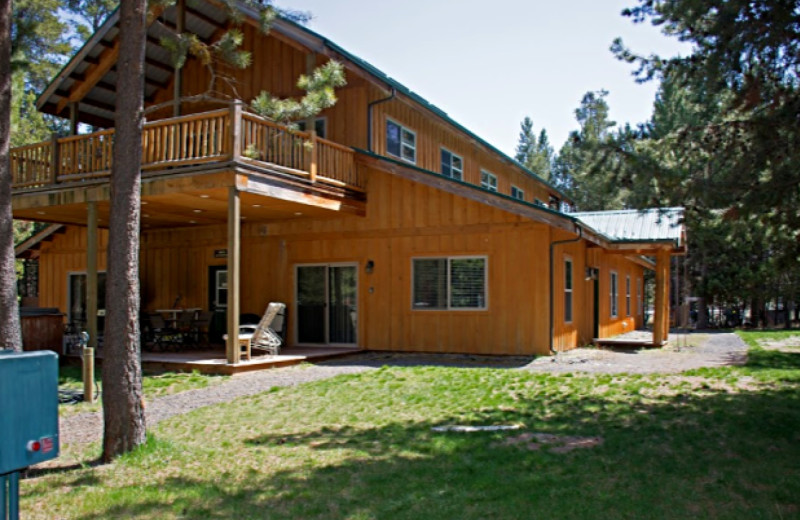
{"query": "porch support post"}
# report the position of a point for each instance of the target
(91, 274)
(73, 118)
(662, 280)
(234, 245)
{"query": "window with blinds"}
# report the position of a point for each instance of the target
(449, 283)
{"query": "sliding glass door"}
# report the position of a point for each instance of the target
(327, 304)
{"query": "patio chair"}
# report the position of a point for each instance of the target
(262, 336)
(163, 336)
(201, 327)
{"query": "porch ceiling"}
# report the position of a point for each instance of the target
(186, 209)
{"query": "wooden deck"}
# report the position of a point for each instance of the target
(625, 343)
(169, 145)
(213, 361)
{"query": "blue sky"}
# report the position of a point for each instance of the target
(489, 64)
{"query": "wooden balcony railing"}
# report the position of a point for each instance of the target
(210, 137)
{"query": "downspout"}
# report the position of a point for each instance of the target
(579, 231)
(369, 115)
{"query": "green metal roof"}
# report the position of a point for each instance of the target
(633, 225)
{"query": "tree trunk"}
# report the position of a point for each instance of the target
(123, 402)
(10, 334)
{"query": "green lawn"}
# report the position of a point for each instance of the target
(154, 385)
(715, 443)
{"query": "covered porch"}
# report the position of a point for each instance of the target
(216, 171)
(649, 238)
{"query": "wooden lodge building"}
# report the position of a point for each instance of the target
(382, 224)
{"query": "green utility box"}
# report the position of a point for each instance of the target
(28, 409)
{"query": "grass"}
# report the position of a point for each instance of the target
(154, 384)
(723, 443)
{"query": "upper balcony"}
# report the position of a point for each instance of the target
(208, 138)
(255, 154)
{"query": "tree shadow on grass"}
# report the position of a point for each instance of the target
(693, 454)
(761, 359)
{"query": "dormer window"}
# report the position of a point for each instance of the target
(452, 165)
(401, 142)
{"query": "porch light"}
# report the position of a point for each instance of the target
(204, 196)
(369, 267)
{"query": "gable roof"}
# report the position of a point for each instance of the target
(650, 225)
(97, 105)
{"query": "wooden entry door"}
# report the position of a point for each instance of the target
(326, 303)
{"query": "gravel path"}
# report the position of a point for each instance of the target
(88, 427)
(713, 350)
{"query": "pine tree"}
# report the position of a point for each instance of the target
(743, 68)
(581, 167)
(123, 400)
(10, 332)
(540, 161)
(527, 140)
(534, 153)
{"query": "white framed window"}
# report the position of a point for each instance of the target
(639, 299)
(449, 283)
(614, 293)
(401, 142)
(538, 202)
(627, 295)
(221, 289)
(517, 193)
(452, 165)
(488, 180)
(567, 290)
(320, 126)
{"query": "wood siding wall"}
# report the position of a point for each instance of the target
(277, 65)
(404, 220)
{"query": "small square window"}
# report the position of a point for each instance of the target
(452, 165)
(488, 181)
(517, 193)
(401, 142)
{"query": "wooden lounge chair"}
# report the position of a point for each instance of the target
(263, 336)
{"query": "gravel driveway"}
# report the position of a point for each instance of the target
(711, 350)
